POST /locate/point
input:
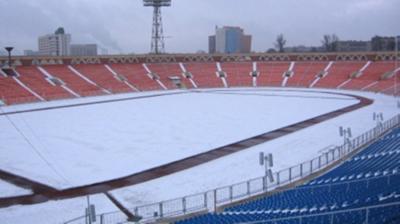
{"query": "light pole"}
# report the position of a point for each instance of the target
(268, 162)
(346, 134)
(378, 117)
(9, 49)
(90, 212)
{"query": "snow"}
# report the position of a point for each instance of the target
(8, 190)
(54, 211)
(86, 144)
(91, 99)
(74, 146)
(288, 151)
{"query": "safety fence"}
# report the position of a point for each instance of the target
(211, 200)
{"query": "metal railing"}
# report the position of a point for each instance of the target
(211, 200)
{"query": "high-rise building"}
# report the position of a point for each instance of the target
(246, 44)
(229, 39)
(57, 44)
(83, 49)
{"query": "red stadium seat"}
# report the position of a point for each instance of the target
(137, 76)
(99, 74)
(204, 74)
(35, 80)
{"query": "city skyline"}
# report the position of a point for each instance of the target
(126, 27)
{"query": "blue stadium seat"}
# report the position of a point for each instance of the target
(369, 178)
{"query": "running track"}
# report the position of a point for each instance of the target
(43, 193)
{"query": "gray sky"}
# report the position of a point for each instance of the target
(124, 26)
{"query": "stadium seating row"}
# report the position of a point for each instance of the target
(34, 84)
(369, 179)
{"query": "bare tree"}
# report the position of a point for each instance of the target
(280, 43)
(335, 42)
(330, 42)
(376, 43)
(326, 42)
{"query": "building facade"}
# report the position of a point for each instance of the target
(229, 39)
(57, 44)
(246, 44)
(353, 46)
(83, 49)
(384, 43)
(31, 53)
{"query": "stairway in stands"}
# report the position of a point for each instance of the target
(386, 85)
(204, 74)
(137, 76)
(99, 74)
(72, 80)
(271, 73)
(238, 73)
(304, 73)
(12, 93)
(168, 70)
(35, 80)
(339, 73)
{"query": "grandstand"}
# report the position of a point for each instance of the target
(356, 182)
(56, 78)
(363, 189)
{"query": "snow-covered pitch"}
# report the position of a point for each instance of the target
(83, 144)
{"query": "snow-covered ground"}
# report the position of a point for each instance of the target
(74, 146)
(79, 142)
(54, 212)
(91, 99)
(8, 190)
(288, 151)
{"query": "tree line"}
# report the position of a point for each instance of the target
(330, 43)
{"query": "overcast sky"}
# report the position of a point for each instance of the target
(124, 26)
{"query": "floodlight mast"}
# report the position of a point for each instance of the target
(157, 36)
(9, 49)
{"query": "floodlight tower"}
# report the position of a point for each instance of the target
(157, 36)
(9, 49)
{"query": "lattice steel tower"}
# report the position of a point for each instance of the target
(157, 36)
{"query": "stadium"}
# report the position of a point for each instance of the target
(260, 138)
